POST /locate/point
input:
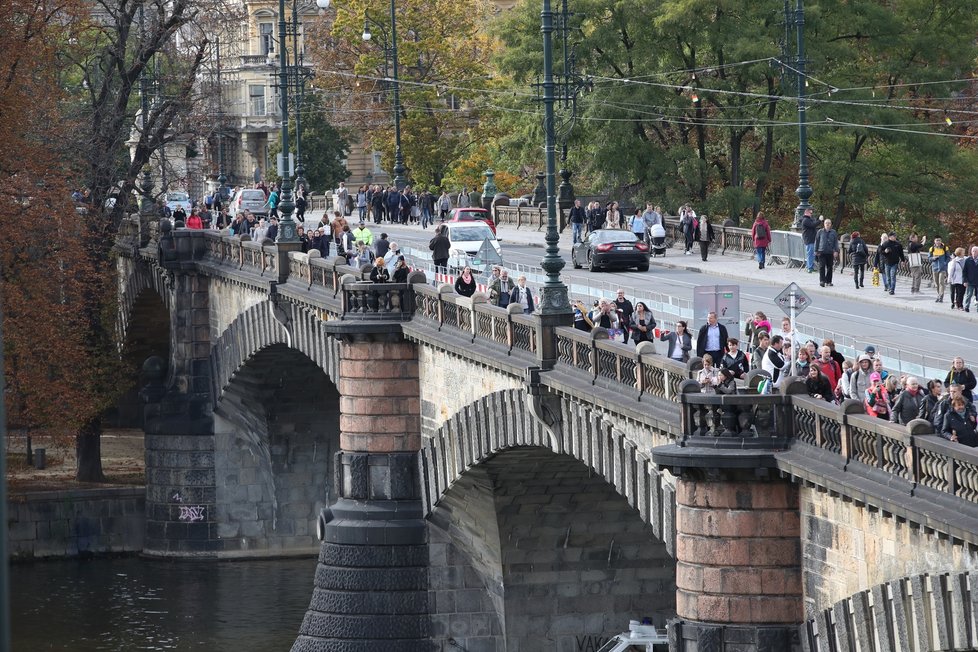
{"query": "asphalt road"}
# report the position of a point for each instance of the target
(889, 328)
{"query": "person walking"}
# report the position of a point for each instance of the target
(688, 224)
(892, 255)
(712, 338)
(643, 323)
(680, 342)
(625, 311)
(637, 225)
(940, 256)
(613, 219)
(809, 227)
(761, 233)
(362, 203)
(522, 295)
(440, 246)
(955, 277)
(703, 233)
(827, 250)
(577, 217)
(971, 279)
(859, 253)
(915, 249)
(465, 283)
(444, 205)
(501, 290)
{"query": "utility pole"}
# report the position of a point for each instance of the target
(286, 205)
(804, 190)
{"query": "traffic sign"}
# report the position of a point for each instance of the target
(487, 254)
(793, 298)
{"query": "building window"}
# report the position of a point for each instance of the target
(378, 168)
(256, 100)
(265, 35)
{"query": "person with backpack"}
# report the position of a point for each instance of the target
(940, 257)
(688, 224)
(761, 233)
(859, 252)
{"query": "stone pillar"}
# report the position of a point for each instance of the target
(738, 566)
(372, 579)
(179, 425)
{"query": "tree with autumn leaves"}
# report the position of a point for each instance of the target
(69, 109)
(444, 52)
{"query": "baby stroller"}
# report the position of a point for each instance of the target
(657, 234)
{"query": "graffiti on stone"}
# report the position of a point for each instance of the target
(192, 512)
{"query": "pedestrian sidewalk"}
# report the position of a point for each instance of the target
(738, 266)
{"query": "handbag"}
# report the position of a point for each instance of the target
(876, 277)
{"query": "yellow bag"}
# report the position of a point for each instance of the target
(876, 277)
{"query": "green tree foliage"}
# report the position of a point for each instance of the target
(691, 102)
(444, 55)
(324, 148)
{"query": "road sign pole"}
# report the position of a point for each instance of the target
(792, 306)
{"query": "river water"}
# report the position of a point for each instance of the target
(132, 604)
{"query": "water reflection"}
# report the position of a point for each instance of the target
(131, 604)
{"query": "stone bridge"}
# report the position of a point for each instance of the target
(475, 478)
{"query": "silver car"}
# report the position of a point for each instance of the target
(249, 199)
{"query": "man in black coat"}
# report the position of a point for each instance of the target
(440, 246)
(382, 246)
(578, 218)
(712, 339)
(809, 226)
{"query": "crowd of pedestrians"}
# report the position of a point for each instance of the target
(946, 403)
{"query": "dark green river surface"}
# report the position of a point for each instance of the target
(132, 604)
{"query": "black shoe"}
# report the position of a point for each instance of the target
(829, 284)
(822, 284)
(891, 291)
(967, 309)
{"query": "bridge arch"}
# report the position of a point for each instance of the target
(276, 431)
(503, 420)
(267, 324)
(532, 549)
(919, 613)
(147, 333)
(136, 279)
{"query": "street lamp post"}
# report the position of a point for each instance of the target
(399, 169)
(286, 205)
(222, 177)
(554, 299)
(804, 190)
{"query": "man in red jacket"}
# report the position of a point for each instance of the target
(827, 364)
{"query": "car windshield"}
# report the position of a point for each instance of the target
(469, 233)
(252, 195)
(473, 215)
(178, 196)
(613, 235)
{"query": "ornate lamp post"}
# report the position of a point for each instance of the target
(222, 177)
(553, 296)
(286, 205)
(399, 169)
(796, 18)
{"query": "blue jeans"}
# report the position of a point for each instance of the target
(576, 229)
(426, 218)
(363, 212)
(810, 256)
(761, 253)
(891, 273)
(971, 291)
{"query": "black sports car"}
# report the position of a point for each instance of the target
(607, 248)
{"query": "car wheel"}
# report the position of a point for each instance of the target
(643, 268)
(590, 263)
(574, 259)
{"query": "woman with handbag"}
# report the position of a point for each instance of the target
(642, 323)
(680, 342)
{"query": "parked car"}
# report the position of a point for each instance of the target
(467, 239)
(472, 215)
(607, 248)
(178, 198)
(249, 199)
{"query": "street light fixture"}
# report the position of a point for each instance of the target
(399, 169)
(287, 227)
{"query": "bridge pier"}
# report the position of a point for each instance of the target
(372, 578)
(738, 566)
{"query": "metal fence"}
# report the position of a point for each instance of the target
(670, 309)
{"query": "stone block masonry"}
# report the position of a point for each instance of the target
(850, 547)
(76, 523)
